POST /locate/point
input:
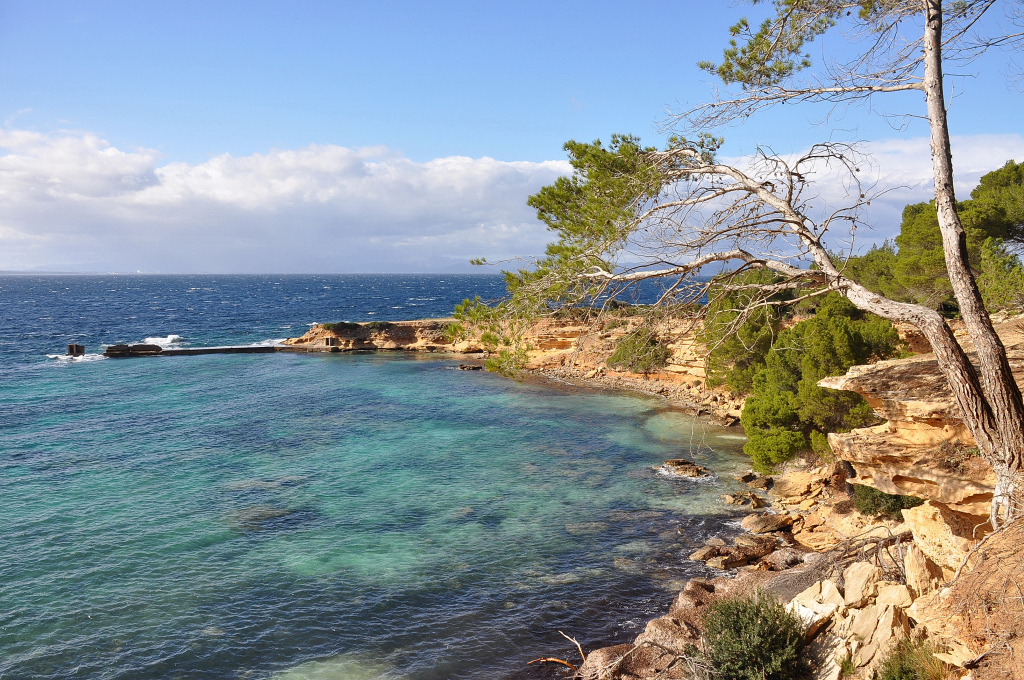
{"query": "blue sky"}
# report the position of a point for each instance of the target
(158, 85)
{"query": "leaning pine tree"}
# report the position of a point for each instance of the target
(630, 213)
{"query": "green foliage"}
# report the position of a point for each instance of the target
(847, 667)
(910, 661)
(738, 354)
(1002, 277)
(870, 501)
(341, 327)
(775, 50)
(379, 325)
(913, 269)
(875, 271)
(591, 212)
(1003, 189)
(640, 351)
(788, 412)
(753, 638)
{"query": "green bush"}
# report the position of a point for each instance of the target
(788, 412)
(640, 351)
(870, 501)
(753, 638)
(910, 661)
(913, 268)
(341, 327)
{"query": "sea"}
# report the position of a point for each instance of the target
(320, 516)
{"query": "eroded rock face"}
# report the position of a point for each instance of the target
(923, 449)
(944, 535)
(425, 335)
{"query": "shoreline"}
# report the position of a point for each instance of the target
(860, 583)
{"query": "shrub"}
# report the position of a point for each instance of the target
(640, 352)
(341, 327)
(955, 456)
(788, 412)
(753, 638)
(379, 325)
(910, 661)
(870, 501)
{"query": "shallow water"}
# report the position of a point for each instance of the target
(331, 516)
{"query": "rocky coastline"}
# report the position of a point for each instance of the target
(860, 583)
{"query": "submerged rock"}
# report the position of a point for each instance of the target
(257, 517)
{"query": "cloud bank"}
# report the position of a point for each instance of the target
(70, 201)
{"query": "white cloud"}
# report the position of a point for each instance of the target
(72, 201)
(899, 171)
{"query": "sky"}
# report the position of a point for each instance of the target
(288, 137)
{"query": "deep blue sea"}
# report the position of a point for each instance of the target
(320, 516)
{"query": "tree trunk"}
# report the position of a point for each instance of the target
(998, 421)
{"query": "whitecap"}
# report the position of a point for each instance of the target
(166, 341)
(273, 342)
(65, 359)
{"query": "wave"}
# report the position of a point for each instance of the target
(165, 341)
(65, 359)
(268, 343)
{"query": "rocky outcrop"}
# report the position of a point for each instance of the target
(682, 467)
(565, 348)
(923, 449)
(418, 336)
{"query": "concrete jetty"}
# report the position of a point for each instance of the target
(135, 351)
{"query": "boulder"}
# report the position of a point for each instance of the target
(766, 523)
(729, 561)
(864, 623)
(667, 632)
(603, 663)
(783, 559)
(758, 546)
(893, 594)
(826, 654)
(944, 535)
(684, 468)
(705, 553)
(815, 616)
(715, 541)
(696, 594)
(793, 484)
(923, 575)
(630, 661)
(860, 579)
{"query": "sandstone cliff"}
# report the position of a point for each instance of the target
(923, 449)
(565, 348)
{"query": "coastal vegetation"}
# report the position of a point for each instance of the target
(787, 412)
(909, 660)
(753, 638)
(681, 215)
(870, 501)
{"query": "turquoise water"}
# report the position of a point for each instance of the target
(333, 516)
